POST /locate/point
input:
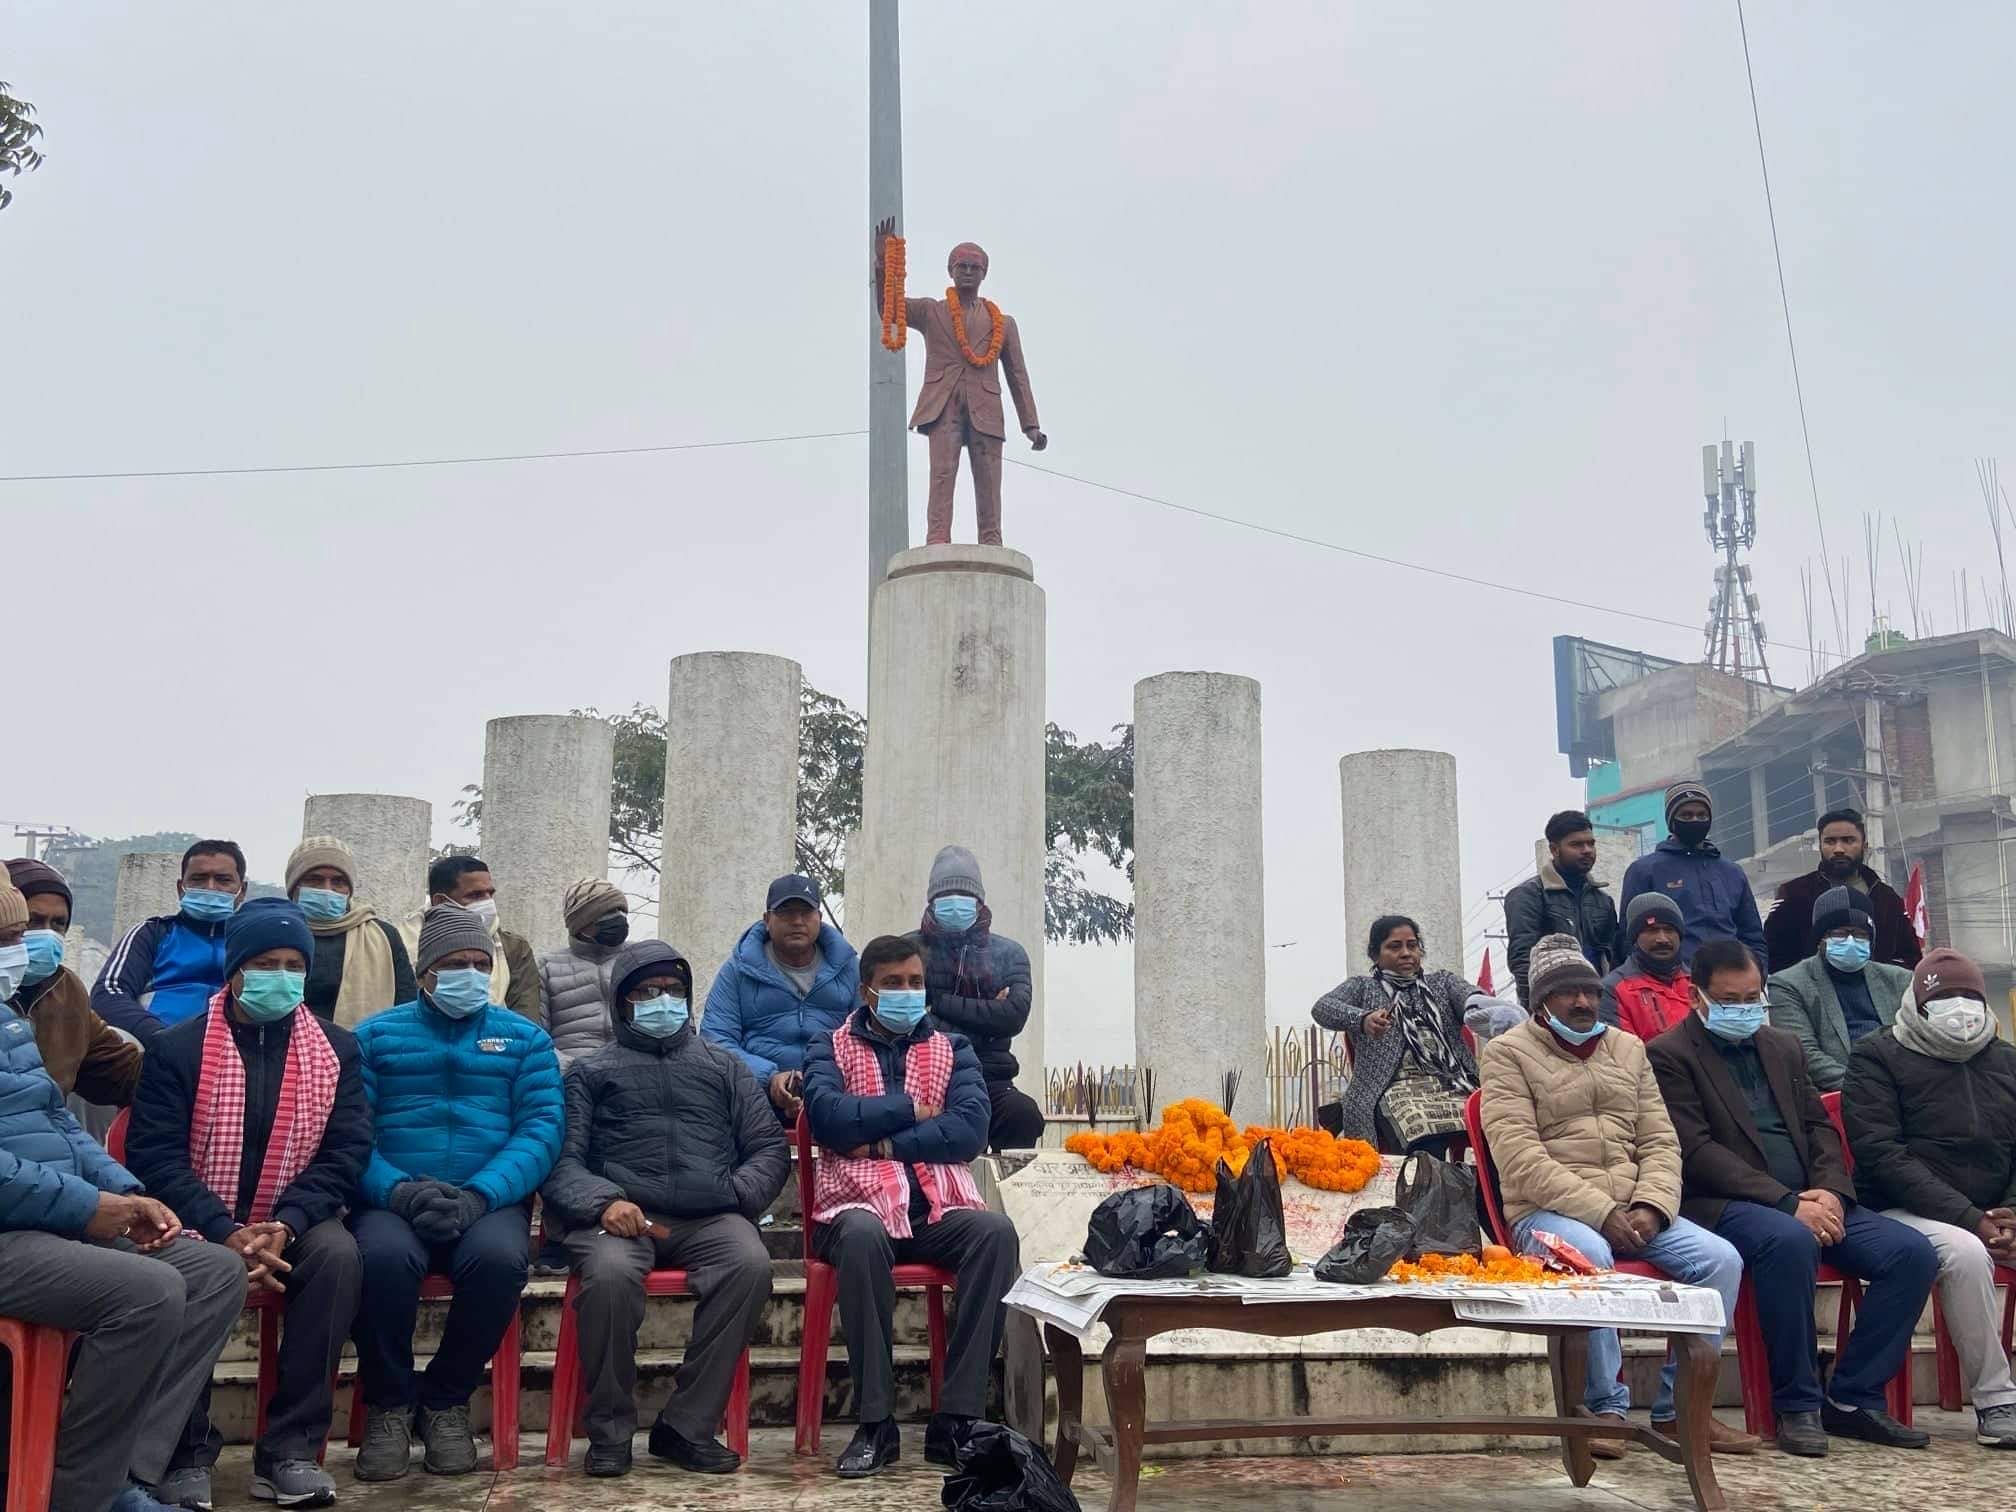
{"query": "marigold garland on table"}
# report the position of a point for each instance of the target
(895, 329)
(1195, 1135)
(981, 359)
(1471, 1268)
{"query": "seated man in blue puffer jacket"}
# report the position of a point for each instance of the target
(466, 1101)
(81, 1249)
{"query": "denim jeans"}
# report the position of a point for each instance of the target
(1687, 1252)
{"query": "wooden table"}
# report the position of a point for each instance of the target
(1135, 1320)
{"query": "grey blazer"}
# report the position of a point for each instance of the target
(1804, 1004)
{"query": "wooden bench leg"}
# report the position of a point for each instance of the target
(1125, 1372)
(1568, 1362)
(1067, 1362)
(1697, 1367)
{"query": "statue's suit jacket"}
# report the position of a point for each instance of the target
(946, 368)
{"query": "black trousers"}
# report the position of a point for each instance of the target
(1017, 1123)
(488, 1265)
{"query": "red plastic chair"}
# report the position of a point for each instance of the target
(1899, 1390)
(822, 1291)
(563, 1422)
(41, 1366)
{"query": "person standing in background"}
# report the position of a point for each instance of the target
(360, 965)
(167, 968)
(1565, 897)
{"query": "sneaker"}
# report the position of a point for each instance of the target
(703, 1456)
(942, 1437)
(137, 1499)
(1995, 1427)
(1873, 1426)
(388, 1444)
(873, 1446)
(1800, 1433)
(188, 1487)
(608, 1460)
(293, 1483)
(451, 1447)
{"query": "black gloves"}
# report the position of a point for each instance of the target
(442, 1213)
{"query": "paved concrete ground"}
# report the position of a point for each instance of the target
(1955, 1475)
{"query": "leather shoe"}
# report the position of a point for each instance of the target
(1873, 1426)
(942, 1437)
(702, 1456)
(1722, 1439)
(873, 1446)
(1800, 1433)
(608, 1459)
(1605, 1448)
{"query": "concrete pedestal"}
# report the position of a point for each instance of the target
(1400, 851)
(956, 750)
(731, 798)
(392, 839)
(146, 887)
(1200, 950)
(545, 815)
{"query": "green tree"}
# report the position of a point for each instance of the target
(1089, 808)
(18, 132)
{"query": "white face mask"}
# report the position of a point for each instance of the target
(1959, 1018)
(486, 910)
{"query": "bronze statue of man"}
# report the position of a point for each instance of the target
(960, 403)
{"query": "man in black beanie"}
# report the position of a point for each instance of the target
(1713, 895)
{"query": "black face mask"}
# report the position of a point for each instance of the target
(613, 930)
(1689, 832)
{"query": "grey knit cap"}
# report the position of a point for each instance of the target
(446, 928)
(1688, 791)
(957, 870)
(1651, 905)
(1557, 962)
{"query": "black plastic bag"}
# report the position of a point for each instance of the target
(1148, 1233)
(1001, 1471)
(1372, 1240)
(1441, 1199)
(1249, 1237)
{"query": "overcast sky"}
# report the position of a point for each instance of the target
(1464, 285)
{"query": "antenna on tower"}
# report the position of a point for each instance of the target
(1735, 633)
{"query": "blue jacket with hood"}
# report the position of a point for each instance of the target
(1713, 896)
(755, 1011)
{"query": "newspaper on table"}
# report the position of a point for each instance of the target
(1074, 1296)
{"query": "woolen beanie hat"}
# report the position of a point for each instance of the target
(1651, 905)
(1946, 970)
(1557, 962)
(34, 877)
(320, 850)
(13, 907)
(590, 899)
(1687, 792)
(265, 924)
(446, 928)
(1839, 907)
(957, 870)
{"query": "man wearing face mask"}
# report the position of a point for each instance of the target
(899, 1108)
(360, 966)
(252, 1123)
(1930, 1109)
(1650, 991)
(679, 1187)
(574, 983)
(1763, 1167)
(80, 1051)
(1713, 895)
(1585, 1151)
(468, 1118)
(978, 982)
(514, 970)
(1842, 845)
(1837, 996)
(168, 968)
(1565, 897)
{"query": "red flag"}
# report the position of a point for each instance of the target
(1484, 976)
(1914, 904)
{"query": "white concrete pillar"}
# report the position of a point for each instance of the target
(1200, 948)
(731, 798)
(1401, 852)
(956, 750)
(146, 887)
(545, 815)
(392, 839)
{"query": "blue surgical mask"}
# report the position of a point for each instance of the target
(207, 907)
(900, 1008)
(45, 954)
(269, 995)
(461, 991)
(1575, 1036)
(660, 1017)
(1850, 954)
(955, 911)
(1736, 1022)
(322, 902)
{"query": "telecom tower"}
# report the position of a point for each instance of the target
(1735, 619)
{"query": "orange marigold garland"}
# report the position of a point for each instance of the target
(1195, 1135)
(895, 329)
(981, 359)
(1470, 1268)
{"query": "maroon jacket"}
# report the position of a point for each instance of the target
(1788, 933)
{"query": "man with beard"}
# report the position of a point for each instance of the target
(1649, 991)
(1843, 844)
(1564, 897)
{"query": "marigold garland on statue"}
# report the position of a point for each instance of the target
(979, 359)
(895, 329)
(1195, 1135)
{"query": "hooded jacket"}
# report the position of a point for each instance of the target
(574, 997)
(1789, 930)
(1713, 896)
(964, 973)
(1637, 1001)
(755, 1011)
(51, 1171)
(1936, 1138)
(1543, 905)
(676, 1125)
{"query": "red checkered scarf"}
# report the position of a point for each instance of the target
(883, 1186)
(217, 1122)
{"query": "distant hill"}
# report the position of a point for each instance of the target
(91, 867)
